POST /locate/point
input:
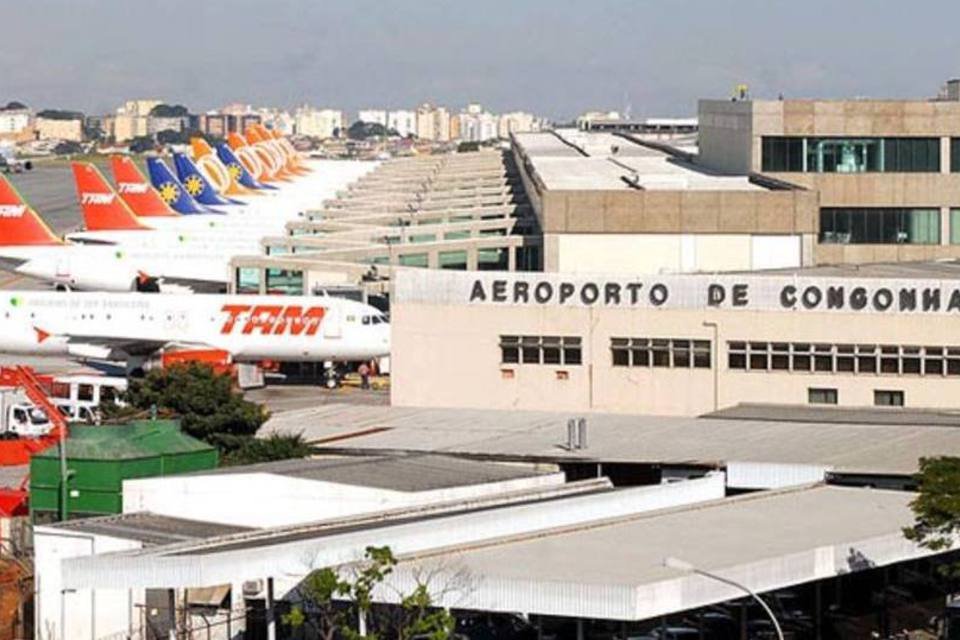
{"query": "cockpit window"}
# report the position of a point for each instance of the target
(366, 320)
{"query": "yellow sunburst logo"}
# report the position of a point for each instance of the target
(169, 192)
(193, 185)
(235, 170)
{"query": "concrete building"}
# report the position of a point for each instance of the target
(614, 203)
(15, 125)
(373, 116)
(319, 123)
(678, 345)
(403, 122)
(517, 122)
(887, 172)
(477, 126)
(433, 123)
(156, 124)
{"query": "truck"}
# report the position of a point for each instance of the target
(19, 417)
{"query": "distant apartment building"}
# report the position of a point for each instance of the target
(15, 125)
(373, 116)
(156, 124)
(478, 126)
(403, 122)
(278, 120)
(319, 123)
(59, 129)
(517, 122)
(433, 123)
(131, 119)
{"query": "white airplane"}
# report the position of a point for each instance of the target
(29, 247)
(135, 327)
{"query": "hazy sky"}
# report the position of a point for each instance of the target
(554, 57)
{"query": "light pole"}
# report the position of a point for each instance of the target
(681, 565)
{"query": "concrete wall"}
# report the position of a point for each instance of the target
(281, 500)
(670, 252)
(726, 135)
(447, 355)
(82, 614)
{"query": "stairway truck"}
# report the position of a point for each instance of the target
(19, 417)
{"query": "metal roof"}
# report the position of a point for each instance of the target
(140, 439)
(931, 269)
(411, 472)
(887, 449)
(148, 528)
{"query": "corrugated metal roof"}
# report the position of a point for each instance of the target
(540, 435)
(148, 528)
(141, 439)
(412, 472)
(839, 415)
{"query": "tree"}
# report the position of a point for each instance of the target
(274, 447)
(936, 508)
(208, 406)
(323, 592)
(169, 111)
(60, 114)
(142, 144)
(13, 105)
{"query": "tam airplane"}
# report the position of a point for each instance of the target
(29, 247)
(135, 328)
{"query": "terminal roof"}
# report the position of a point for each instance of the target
(874, 448)
(569, 159)
(931, 269)
(148, 528)
(413, 472)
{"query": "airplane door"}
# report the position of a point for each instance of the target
(332, 323)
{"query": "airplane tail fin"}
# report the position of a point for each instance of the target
(220, 176)
(102, 209)
(268, 155)
(170, 189)
(289, 154)
(19, 224)
(238, 169)
(249, 158)
(133, 187)
(196, 183)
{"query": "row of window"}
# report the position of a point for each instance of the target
(844, 358)
(563, 350)
(878, 225)
(660, 352)
(683, 353)
(881, 397)
(852, 155)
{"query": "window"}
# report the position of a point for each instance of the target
(821, 396)
(678, 353)
(248, 280)
(553, 350)
(866, 359)
(955, 155)
(782, 154)
(886, 398)
(955, 224)
(285, 282)
(851, 155)
(878, 225)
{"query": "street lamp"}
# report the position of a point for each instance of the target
(681, 565)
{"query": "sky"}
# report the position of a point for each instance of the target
(556, 58)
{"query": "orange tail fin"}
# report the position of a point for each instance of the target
(102, 209)
(19, 224)
(136, 192)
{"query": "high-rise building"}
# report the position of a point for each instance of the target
(131, 120)
(433, 123)
(477, 125)
(319, 123)
(15, 124)
(517, 122)
(403, 122)
(373, 116)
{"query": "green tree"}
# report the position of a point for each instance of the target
(274, 447)
(142, 144)
(324, 591)
(936, 508)
(205, 401)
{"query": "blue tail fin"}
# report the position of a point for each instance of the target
(234, 166)
(196, 184)
(172, 192)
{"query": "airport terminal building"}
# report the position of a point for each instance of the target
(881, 335)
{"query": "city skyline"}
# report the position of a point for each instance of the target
(361, 55)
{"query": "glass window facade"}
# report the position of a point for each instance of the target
(954, 226)
(850, 155)
(566, 350)
(876, 225)
(285, 282)
(660, 352)
(955, 155)
(248, 280)
(859, 359)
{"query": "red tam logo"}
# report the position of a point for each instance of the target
(271, 319)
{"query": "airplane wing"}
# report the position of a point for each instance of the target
(120, 348)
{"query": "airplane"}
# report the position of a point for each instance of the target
(136, 328)
(10, 163)
(29, 247)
